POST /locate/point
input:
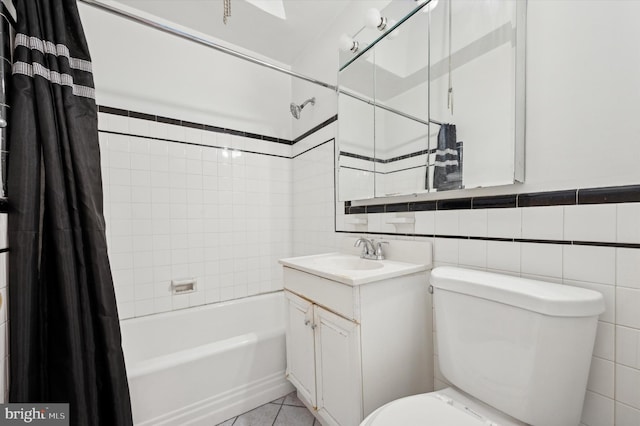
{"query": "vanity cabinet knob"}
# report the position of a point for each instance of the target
(307, 322)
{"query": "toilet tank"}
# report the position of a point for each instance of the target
(522, 346)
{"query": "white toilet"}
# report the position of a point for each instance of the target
(517, 352)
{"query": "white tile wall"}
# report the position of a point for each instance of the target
(598, 410)
(503, 256)
(627, 350)
(590, 222)
(541, 259)
(473, 223)
(447, 222)
(628, 267)
(425, 222)
(628, 219)
(176, 211)
(504, 223)
(314, 196)
(628, 386)
(613, 396)
(627, 416)
(544, 223)
(589, 263)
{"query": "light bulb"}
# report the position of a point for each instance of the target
(373, 19)
(347, 44)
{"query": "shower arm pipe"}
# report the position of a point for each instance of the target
(202, 41)
(387, 108)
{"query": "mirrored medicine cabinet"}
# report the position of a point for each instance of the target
(435, 102)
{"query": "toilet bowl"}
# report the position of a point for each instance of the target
(516, 352)
(447, 407)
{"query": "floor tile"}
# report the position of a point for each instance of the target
(293, 416)
(261, 416)
(228, 422)
(278, 401)
(292, 399)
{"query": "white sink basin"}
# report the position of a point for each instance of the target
(350, 269)
(348, 262)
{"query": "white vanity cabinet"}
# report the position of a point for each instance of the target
(354, 347)
(323, 360)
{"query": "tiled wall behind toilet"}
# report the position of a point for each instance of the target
(595, 246)
(186, 203)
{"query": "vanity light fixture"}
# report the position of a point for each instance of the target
(347, 44)
(373, 19)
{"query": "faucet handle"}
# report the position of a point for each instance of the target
(379, 253)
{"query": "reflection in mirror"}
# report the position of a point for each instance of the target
(438, 106)
(356, 132)
(474, 87)
(402, 109)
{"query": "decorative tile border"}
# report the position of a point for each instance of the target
(604, 195)
(392, 159)
(507, 240)
(612, 194)
(315, 129)
(313, 147)
(193, 143)
(206, 127)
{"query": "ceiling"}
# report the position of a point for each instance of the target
(249, 26)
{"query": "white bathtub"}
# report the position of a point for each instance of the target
(207, 364)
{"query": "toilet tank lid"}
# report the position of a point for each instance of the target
(537, 296)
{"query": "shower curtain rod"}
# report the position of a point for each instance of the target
(382, 106)
(177, 32)
(184, 35)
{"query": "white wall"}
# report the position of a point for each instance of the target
(141, 69)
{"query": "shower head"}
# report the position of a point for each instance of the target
(295, 108)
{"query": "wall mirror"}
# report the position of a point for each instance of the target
(435, 102)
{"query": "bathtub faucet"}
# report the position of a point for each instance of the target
(370, 250)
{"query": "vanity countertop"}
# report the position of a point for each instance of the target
(350, 269)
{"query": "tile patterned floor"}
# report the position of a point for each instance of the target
(286, 411)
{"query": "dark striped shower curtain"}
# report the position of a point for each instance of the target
(64, 330)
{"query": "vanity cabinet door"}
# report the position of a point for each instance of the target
(338, 372)
(300, 347)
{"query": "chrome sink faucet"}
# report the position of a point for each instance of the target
(371, 249)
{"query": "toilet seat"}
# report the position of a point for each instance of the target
(443, 408)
